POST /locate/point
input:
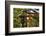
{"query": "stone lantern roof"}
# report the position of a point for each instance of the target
(31, 11)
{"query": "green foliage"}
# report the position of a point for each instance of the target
(35, 21)
(17, 20)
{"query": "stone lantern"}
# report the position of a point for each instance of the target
(24, 18)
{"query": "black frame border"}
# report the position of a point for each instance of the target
(7, 3)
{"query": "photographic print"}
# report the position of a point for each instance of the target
(24, 17)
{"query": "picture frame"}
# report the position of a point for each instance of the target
(16, 6)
